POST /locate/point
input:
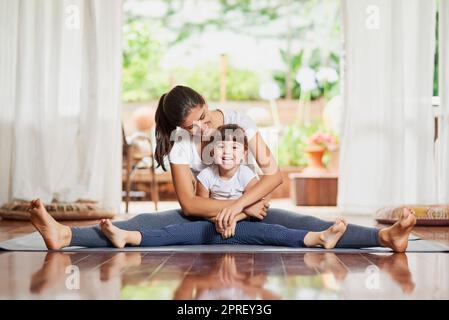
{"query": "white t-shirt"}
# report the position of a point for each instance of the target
(184, 150)
(223, 189)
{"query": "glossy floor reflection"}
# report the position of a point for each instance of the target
(236, 276)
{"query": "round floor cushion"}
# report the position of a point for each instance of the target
(80, 210)
(437, 215)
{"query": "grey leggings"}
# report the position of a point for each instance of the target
(354, 237)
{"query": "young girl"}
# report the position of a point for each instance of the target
(226, 179)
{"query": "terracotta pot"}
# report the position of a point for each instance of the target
(315, 160)
(143, 118)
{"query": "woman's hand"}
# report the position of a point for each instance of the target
(258, 209)
(226, 215)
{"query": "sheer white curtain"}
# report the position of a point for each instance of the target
(443, 140)
(387, 134)
(60, 70)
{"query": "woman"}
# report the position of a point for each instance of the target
(183, 125)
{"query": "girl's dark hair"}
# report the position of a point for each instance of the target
(171, 111)
(232, 132)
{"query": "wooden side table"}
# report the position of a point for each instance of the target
(314, 189)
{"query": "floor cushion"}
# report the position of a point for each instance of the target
(80, 210)
(426, 215)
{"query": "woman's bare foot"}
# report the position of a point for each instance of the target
(51, 272)
(396, 236)
(327, 238)
(55, 235)
(119, 238)
(397, 267)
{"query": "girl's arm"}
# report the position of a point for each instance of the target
(191, 203)
(203, 192)
(194, 205)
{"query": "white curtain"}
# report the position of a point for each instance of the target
(60, 71)
(443, 140)
(388, 127)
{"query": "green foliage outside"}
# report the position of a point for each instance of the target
(241, 84)
(317, 59)
(142, 77)
(145, 79)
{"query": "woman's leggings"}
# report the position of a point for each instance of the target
(354, 237)
(203, 232)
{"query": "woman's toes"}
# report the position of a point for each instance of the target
(39, 204)
(405, 213)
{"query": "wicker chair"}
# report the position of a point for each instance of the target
(134, 160)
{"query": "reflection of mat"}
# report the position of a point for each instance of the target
(34, 242)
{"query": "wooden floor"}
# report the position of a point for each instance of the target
(240, 276)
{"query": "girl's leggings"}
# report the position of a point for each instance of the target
(203, 232)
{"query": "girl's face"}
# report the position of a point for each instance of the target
(228, 154)
(198, 121)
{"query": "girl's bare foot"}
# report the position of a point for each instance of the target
(115, 235)
(396, 236)
(120, 238)
(119, 262)
(55, 235)
(326, 262)
(327, 238)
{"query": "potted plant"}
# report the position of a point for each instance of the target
(316, 145)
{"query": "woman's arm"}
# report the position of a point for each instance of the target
(271, 176)
(190, 202)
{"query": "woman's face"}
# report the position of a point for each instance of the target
(198, 121)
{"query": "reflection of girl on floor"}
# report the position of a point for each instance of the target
(224, 282)
(225, 279)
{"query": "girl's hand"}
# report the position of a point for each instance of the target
(224, 217)
(230, 231)
(258, 209)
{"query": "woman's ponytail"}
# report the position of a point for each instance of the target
(172, 110)
(163, 133)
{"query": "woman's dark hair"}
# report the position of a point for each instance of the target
(232, 132)
(171, 111)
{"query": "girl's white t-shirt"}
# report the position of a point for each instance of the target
(184, 150)
(224, 189)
